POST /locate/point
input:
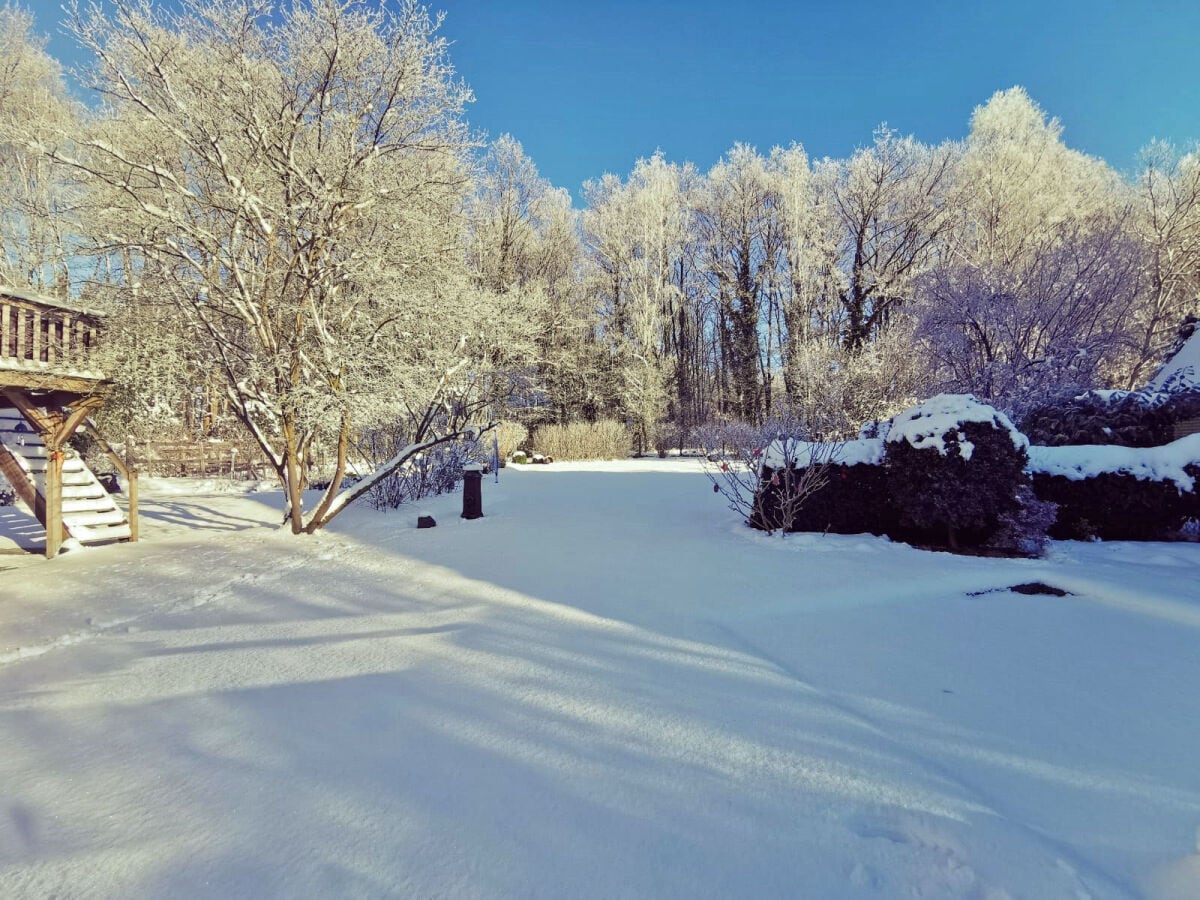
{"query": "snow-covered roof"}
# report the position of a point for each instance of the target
(927, 424)
(866, 451)
(1165, 463)
(1182, 369)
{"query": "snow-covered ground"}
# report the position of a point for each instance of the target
(606, 687)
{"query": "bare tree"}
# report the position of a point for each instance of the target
(295, 175)
(763, 472)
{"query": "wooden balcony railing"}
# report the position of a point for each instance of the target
(41, 330)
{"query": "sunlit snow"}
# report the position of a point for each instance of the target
(607, 686)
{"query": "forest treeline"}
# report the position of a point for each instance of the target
(297, 234)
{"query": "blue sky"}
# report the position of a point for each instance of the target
(589, 87)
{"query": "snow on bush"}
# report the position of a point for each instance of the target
(1126, 418)
(1170, 462)
(1119, 493)
(955, 468)
(787, 451)
(938, 421)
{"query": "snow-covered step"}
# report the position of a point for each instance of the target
(84, 504)
(90, 515)
(93, 518)
(28, 451)
(84, 491)
(101, 534)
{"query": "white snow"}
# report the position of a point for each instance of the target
(864, 451)
(607, 686)
(928, 423)
(1165, 463)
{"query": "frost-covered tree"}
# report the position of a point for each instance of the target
(890, 198)
(524, 248)
(638, 234)
(742, 248)
(1033, 281)
(1166, 221)
(809, 282)
(37, 215)
(292, 175)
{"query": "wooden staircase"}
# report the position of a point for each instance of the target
(89, 514)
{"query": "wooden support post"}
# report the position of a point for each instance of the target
(131, 483)
(36, 340)
(54, 523)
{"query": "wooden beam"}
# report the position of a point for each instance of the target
(131, 485)
(54, 522)
(22, 318)
(41, 380)
(80, 411)
(39, 420)
(108, 450)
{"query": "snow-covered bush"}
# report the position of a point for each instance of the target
(584, 440)
(850, 498)
(7, 495)
(1119, 493)
(765, 472)
(955, 467)
(1024, 530)
(1121, 418)
(1124, 418)
(789, 473)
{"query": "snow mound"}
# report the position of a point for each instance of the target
(927, 424)
(1165, 463)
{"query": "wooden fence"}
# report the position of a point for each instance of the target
(199, 459)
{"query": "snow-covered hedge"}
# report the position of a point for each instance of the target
(1119, 493)
(1124, 418)
(957, 472)
(949, 472)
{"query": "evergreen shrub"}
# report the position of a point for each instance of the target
(1117, 506)
(952, 479)
(1122, 418)
(851, 500)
